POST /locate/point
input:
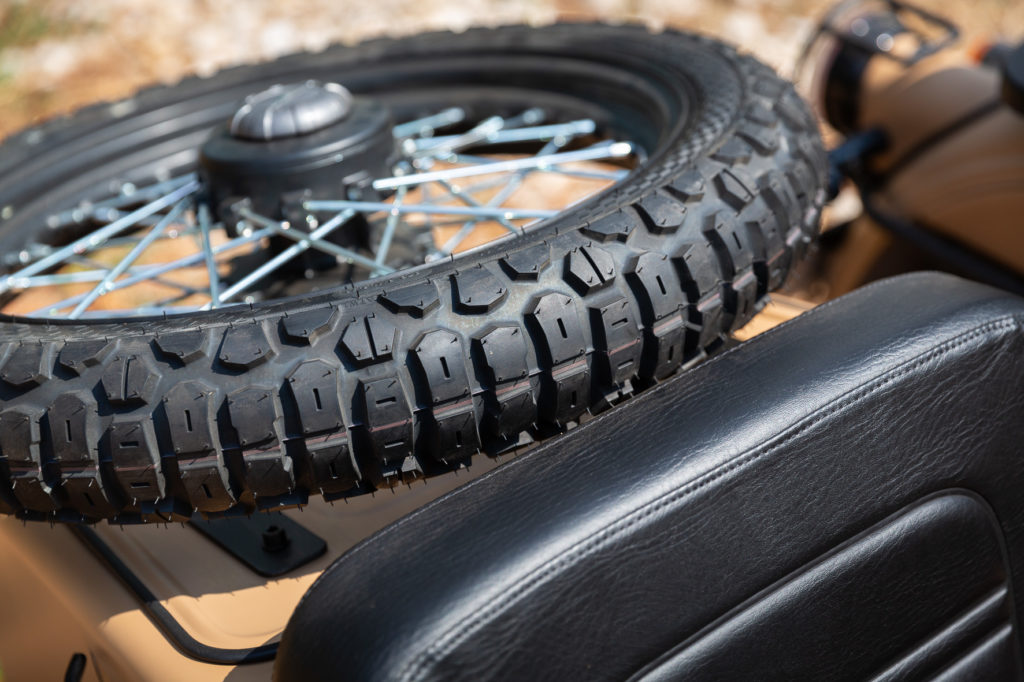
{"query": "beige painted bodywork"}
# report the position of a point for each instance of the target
(59, 599)
(969, 186)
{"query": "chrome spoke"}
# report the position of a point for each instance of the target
(390, 226)
(433, 209)
(341, 252)
(528, 134)
(94, 239)
(503, 195)
(151, 272)
(482, 131)
(614, 150)
(424, 127)
(469, 200)
(119, 269)
(203, 217)
(136, 195)
(282, 258)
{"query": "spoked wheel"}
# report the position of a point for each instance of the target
(341, 271)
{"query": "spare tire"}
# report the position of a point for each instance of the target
(353, 387)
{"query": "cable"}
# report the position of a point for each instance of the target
(163, 619)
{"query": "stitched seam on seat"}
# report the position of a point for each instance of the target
(528, 457)
(455, 635)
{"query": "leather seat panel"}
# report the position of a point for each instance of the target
(913, 596)
(596, 553)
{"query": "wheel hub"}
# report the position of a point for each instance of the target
(311, 138)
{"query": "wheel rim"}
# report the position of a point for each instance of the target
(456, 179)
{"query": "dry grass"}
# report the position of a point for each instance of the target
(57, 55)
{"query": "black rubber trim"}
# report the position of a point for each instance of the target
(162, 618)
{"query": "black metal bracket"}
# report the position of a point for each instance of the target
(271, 544)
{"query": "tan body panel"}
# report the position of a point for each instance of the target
(970, 185)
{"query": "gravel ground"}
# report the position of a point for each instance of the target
(57, 55)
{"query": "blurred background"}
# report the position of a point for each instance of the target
(57, 55)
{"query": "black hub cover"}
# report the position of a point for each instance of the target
(290, 138)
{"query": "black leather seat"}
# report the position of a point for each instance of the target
(840, 498)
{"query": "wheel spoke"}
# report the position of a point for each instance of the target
(203, 216)
(604, 151)
(390, 226)
(341, 252)
(130, 258)
(151, 272)
(425, 127)
(94, 239)
(528, 134)
(283, 257)
(377, 207)
(503, 195)
(482, 131)
(470, 201)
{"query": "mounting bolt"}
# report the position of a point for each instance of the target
(275, 539)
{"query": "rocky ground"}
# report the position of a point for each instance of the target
(56, 55)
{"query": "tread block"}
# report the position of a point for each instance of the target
(269, 471)
(186, 347)
(665, 347)
(556, 318)
(78, 356)
(761, 114)
(205, 482)
(734, 187)
(309, 325)
(689, 186)
(588, 268)
(73, 429)
(764, 140)
(256, 415)
(781, 201)
(792, 110)
(245, 346)
(130, 379)
(733, 152)
(698, 263)
(570, 395)
(710, 311)
(20, 436)
(528, 263)
(416, 300)
(656, 285)
(502, 352)
(617, 340)
(457, 435)
(664, 212)
(442, 360)
(732, 242)
(615, 226)
(388, 420)
(29, 364)
(477, 291)
(189, 408)
(766, 85)
(134, 454)
(333, 468)
(515, 409)
(314, 387)
(370, 339)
